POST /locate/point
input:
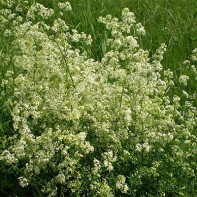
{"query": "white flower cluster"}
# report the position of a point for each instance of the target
(121, 185)
(65, 6)
(38, 10)
(194, 55)
(128, 22)
(75, 118)
(109, 158)
(101, 188)
(8, 3)
(190, 69)
(59, 25)
(23, 181)
(183, 79)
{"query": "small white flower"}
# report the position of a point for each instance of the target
(65, 6)
(138, 147)
(60, 178)
(23, 181)
(183, 79)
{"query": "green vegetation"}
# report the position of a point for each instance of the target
(93, 105)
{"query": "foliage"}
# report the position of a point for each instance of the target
(75, 126)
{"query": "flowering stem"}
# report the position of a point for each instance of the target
(67, 68)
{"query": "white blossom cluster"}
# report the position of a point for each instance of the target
(38, 10)
(65, 6)
(120, 184)
(94, 128)
(194, 55)
(183, 79)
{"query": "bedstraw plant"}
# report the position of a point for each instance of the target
(81, 127)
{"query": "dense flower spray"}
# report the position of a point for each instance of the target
(83, 127)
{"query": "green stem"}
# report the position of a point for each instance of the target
(67, 68)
